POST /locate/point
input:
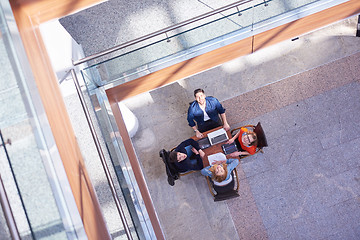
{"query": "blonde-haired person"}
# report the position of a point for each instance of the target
(220, 171)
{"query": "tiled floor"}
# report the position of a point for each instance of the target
(309, 170)
(304, 184)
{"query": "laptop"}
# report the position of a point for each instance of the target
(217, 136)
(229, 148)
(204, 143)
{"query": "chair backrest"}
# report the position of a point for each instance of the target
(262, 142)
(229, 191)
(171, 170)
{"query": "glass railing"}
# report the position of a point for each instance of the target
(4, 230)
(175, 44)
(135, 211)
(121, 188)
(8, 227)
(40, 203)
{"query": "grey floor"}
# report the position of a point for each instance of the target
(306, 184)
(305, 93)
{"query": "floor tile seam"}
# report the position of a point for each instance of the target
(251, 200)
(232, 219)
(252, 195)
(258, 216)
(293, 75)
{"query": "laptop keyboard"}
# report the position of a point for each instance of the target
(218, 139)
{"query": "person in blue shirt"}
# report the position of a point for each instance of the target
(205, 112)
(187, 156)
(220, 171)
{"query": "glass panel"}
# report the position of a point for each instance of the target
(25, 158)
(4, 230)
(275, 8)
(27, 170)
(136, 216)
(112, 216)
(183, 43)
(137, 58)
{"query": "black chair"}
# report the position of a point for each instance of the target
(260, 134)
(229, 191)
(171, 171)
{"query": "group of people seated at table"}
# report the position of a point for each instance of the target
(188, 155)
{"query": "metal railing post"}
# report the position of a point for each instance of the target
(5, 205)
(17, 186)
(9, 217)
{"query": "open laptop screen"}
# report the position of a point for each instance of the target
(217, 136)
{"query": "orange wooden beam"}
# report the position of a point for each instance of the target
(136, 169)
(58, 118)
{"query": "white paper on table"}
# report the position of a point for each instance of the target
(216, 157)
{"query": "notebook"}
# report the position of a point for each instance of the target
(216, 157)
(217, 136)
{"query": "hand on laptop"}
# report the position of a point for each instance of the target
(199, 134)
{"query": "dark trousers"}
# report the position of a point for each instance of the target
(208, 125)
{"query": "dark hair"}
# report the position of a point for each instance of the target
(173, 156)
(198, 90)
(253, 143)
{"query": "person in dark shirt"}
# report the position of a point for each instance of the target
(205, 112)
(187, 156)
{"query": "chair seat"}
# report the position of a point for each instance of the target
(228, 191)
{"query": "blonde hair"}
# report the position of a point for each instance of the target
(218, 178)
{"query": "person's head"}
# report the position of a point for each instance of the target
(199, 95)
(177, 156)
(219, 172)
(250, 139)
